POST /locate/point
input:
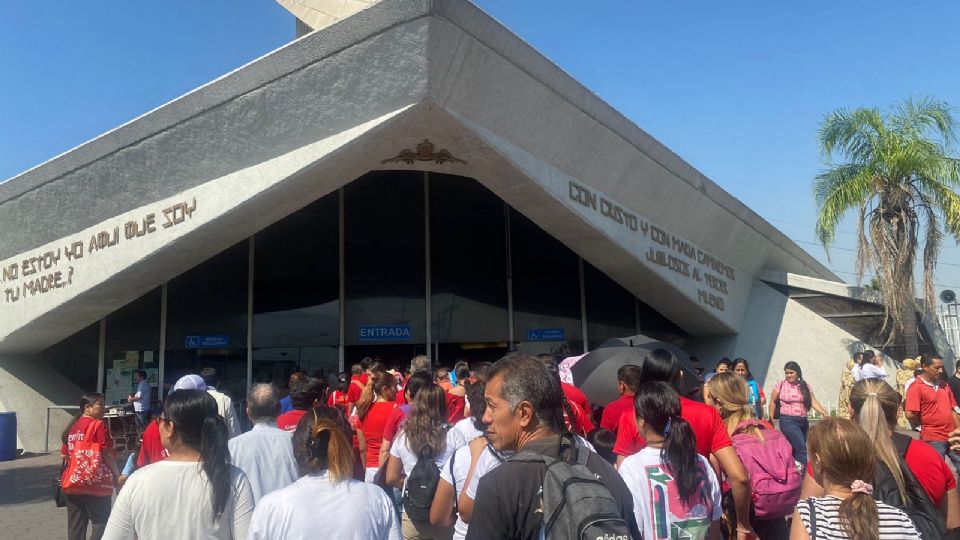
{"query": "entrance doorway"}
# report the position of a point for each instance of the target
(392, 356)
(447, 354)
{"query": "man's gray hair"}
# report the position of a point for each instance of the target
(420, 363)
(263, 402)
(525, 378)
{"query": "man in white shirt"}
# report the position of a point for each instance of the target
(224, 403)
(265, 453)
(141, 399)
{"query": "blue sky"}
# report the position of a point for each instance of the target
(736, 88)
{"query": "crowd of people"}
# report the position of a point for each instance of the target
(509, 450)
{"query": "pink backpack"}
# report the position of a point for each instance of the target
(773, 474)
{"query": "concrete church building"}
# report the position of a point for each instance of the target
(409, 178)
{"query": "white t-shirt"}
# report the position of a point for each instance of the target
(172, 499)
(658, 508)
(314, 507)
(856, 373)
(401, 451)
(461, 466)
(467, 429)
(485, 463)
(226, 410)
(871, 371)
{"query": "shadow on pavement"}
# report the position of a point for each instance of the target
(30, 476)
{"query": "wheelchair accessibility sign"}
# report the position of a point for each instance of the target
(206, 342)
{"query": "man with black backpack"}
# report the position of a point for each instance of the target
(553, 487)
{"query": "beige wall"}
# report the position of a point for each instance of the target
(28, 386)
(777, 330)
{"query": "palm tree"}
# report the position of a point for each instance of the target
(896, 171)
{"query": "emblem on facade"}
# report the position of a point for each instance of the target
(425, 152)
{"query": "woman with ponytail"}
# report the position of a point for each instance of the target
(195, 493)
(671, 484)
(874, 405)
(373, 411)
(792, 398)
(766, 454)
(84, 508)
(326, 501)
(841, 456)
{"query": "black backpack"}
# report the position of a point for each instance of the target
(576, 504)
(918, 506)
(420, 488)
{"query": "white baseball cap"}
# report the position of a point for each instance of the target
(189, 382)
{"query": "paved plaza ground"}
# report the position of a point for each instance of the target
(27, 510)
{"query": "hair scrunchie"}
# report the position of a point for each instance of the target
(859, 486)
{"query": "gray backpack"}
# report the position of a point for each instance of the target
(576, 504)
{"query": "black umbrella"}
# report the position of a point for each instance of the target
(596, 373)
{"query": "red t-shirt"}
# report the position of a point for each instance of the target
(610, 420)
(338, 399)
(581, 407)
(395, 422)
(935, 405)
(455, 407)
(151, 449)
(78, 431)
(373, 427)
(928, 467)
(573, 394)
(288, 421)
(708, 428)
(355, 389)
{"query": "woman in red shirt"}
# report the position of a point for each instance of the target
(874, 405)
(89, 508)
(373, 411)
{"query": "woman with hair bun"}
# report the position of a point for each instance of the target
(195, 493)
(841, 456)
(326, 500)
(672, 485)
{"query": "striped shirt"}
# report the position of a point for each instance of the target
(894, 524)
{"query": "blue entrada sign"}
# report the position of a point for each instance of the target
(546, 334)
(206, 342)
(385, 332)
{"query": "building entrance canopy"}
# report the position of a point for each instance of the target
(418, 85)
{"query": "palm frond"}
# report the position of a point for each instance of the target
(837, 190)
(855, 134)
(922, 117)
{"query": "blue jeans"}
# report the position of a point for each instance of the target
(795, 428)
(143, 418)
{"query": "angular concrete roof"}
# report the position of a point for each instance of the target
(302, 121)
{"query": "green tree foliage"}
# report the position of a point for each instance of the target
(895, 169)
